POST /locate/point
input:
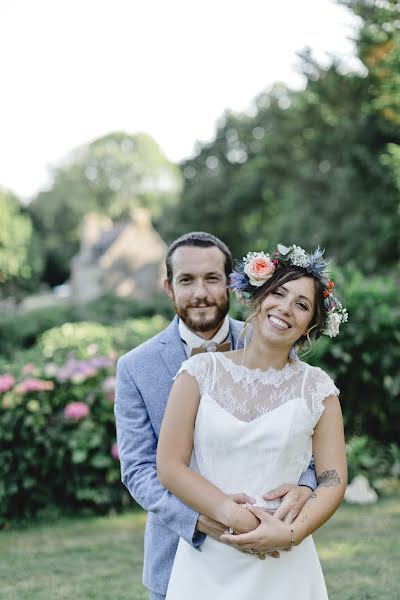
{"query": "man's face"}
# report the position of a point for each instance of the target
(199, 287)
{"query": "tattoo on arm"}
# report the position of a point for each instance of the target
(304, 519)
(329, 479)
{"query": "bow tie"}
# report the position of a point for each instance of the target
(213, 347)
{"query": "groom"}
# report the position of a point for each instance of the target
(198, 268)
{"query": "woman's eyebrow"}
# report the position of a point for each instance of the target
(301, 296)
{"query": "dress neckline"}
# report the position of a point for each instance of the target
(271, 370)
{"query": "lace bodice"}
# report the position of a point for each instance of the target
(250, 393)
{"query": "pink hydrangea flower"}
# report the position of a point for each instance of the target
(6, 383)
(114, 451)
(34, 385)
(30, 369)
(76, 411)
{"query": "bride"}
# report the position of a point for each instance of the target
(250, 420)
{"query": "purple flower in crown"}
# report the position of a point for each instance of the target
(238, 281)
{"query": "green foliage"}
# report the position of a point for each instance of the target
(379, 49)
(111, 176)
(22, 330)
(20, 258)
(308, 166)
(364, 358)
(75, 339)
(47, 457)
(373, 460)
(82, 340)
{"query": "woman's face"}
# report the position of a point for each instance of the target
(286, 313)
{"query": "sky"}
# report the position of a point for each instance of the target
(74, 70)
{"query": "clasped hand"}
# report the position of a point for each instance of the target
(269, 537)
(273, 532)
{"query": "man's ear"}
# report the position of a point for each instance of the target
(168, 288)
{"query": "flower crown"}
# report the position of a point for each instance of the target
(258, 267)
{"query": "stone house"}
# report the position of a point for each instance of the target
(125, 258)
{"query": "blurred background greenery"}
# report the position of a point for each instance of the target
(314, 166)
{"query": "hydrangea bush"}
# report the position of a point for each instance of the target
(57, 430)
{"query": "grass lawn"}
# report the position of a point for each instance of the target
(101, 558)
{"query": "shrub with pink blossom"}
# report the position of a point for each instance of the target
(76, 411)
(34, 385)
(6, 383)
(57, 426)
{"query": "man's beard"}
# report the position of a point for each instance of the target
(203, 325)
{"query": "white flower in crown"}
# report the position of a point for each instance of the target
(332, 325)
(258, 267)
(299, 257)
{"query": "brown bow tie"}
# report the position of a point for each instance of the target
(212, 348)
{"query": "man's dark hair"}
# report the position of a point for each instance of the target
(200, 239)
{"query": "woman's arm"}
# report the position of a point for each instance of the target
(329, 452)
(330, 462)
(174, 450)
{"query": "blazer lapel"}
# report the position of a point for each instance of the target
(172, 351)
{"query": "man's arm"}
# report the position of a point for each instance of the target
(309, 477)
(137, 445)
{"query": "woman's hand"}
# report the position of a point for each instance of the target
(271, 534)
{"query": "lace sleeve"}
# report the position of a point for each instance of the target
(318, 387)
(199, 366)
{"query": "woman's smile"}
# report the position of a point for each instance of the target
(279, 323)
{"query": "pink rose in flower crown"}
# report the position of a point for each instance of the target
(76, 411)
(259, 268)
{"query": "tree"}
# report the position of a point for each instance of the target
(308, 166)
(20, 256)
(378, 45)
(111, 175)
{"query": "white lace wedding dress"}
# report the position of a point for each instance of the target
(253, 432)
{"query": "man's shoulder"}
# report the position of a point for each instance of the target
(148, 349)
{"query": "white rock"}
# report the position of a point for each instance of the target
(360, 492)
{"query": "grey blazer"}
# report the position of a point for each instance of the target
(144, 380)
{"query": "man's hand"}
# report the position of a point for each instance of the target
(293, 497)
